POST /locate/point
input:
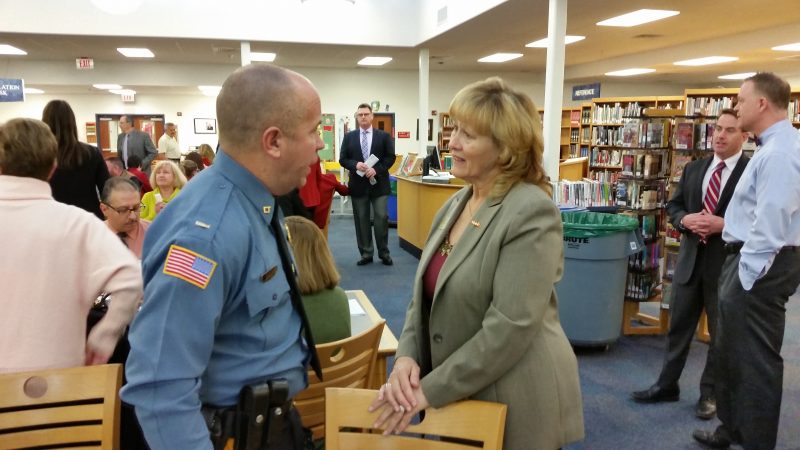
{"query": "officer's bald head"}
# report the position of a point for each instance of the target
(254, 98)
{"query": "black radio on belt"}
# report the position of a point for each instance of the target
(262, 420)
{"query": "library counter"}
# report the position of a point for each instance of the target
(417, 204)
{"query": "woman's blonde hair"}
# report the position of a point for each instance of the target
(510, 117)
(178, 178)
(315, 265)
(206, 152)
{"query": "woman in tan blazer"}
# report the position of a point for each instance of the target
(483, 322)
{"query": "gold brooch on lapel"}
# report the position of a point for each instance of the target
(475, 224)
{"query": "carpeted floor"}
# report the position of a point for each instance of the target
(612, 420)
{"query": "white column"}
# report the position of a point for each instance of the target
(245, 48)
(554, 85)
(424, 111)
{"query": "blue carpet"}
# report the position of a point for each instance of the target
(612, 421)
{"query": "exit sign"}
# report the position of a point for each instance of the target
(84, 63)
(128, 97)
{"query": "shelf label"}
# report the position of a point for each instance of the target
(586, 91)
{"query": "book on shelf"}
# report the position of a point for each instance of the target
(684, 136)
(629, 136)
(658, 133)
(408, 164)
(638, 165)
(402, 165)
(670, 261)
(672, 237)
(679, 161)
(416, 168)
(652, 165)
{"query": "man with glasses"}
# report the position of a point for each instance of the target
(121, 204)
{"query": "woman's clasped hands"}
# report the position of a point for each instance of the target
(400, 398)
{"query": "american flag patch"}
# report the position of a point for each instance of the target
(189, 266)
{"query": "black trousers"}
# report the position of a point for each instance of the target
(687, 304)
(749, 382)
(380, 219)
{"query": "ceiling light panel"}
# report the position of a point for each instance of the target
(542, 43)
(736, 76)
(106, 87)
(136, 52)
(639, 17)
(705, 61)
(500, 57)
(788, 47)
(374, 61)
(6, 49)
(629, 72)
(262, 57)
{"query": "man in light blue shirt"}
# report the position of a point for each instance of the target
(760, 273)
(218, 313)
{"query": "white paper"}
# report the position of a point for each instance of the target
(371, 161)
(355, 308)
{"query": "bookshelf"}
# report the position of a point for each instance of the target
(570, 134)
(709, 102)
(445, 131)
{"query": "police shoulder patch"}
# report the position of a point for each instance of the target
(189, 266)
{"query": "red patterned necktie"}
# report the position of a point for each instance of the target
(712, 193)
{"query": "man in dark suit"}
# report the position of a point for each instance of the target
(697, 209)
(134, 142)
(369, 186)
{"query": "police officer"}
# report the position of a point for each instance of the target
(218, 313)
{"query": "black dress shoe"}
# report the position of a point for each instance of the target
(364, 261)
(706, 408)
(387, 260)
(711, 439)
(657, 394)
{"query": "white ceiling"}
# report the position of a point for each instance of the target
(743, 28)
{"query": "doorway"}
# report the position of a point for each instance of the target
(108, 129)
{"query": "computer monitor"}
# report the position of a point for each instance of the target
(433, 158)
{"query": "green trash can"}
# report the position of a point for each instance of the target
(592, 290)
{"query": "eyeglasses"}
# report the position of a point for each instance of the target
(126, 210)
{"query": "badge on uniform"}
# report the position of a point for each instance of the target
(189, 266)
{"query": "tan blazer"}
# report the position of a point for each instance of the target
(494, 332)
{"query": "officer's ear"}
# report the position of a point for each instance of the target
(271, 140)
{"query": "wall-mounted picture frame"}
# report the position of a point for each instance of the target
(205, 126)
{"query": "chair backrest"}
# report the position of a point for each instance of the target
(348, 425)
(345, 363)
(61, 407)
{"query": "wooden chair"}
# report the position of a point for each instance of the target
(348, 425)
(346, 363)
(75, 407)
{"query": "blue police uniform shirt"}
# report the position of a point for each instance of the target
(764, 212)
(217, 312)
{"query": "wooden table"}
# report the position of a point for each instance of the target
(388, 344)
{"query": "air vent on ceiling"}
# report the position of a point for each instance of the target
(647, 36)
(441, 15)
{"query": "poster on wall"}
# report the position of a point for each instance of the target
(327, 132)
(12, 90)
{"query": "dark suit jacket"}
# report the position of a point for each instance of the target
(350, 155)
(687, 199)
(139, 144)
